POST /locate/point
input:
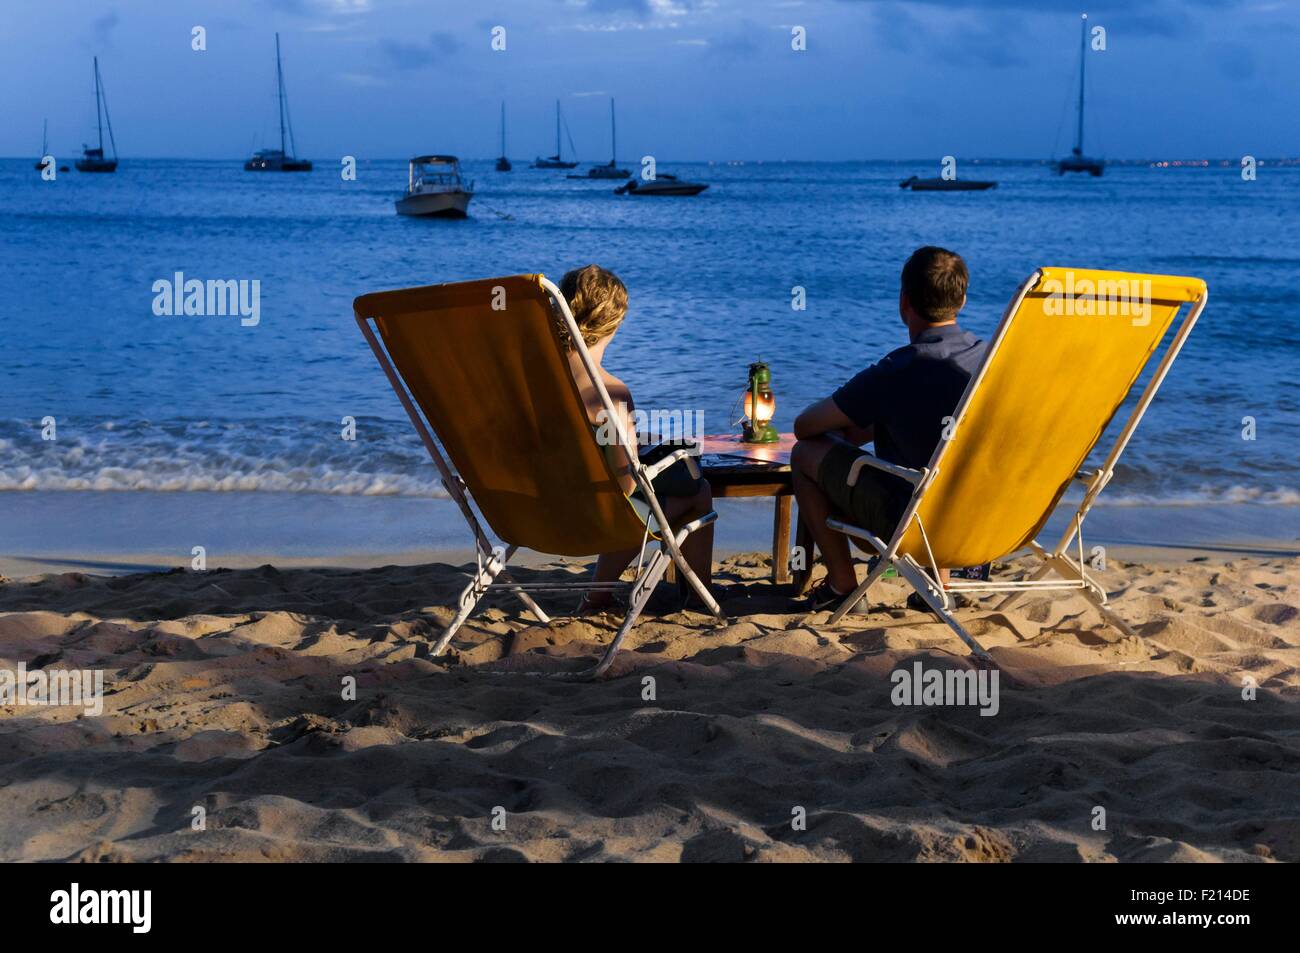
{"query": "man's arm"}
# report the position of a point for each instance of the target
(825, 417)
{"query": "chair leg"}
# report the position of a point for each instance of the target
(641, 592)
(528, 601)
(925, 588)
(688, 573)
(1068, 569)
(470, 596)
(1014, 597)
(859, 593)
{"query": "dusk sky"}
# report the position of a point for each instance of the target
(694, 79)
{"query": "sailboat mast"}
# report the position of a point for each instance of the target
(99, 120)
(279, 89)
(1083, 58)
(503, 127)
(557, 129)
(613, 135)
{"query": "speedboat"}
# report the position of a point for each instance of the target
(946, 185)
(435, 188)
(662, 184)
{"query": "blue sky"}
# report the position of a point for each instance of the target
(694, 79)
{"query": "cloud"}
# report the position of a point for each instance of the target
(364, 80)
(403, 55)
(988, 40)
(1233, 60)
(303, 8)
(640, 8)
(101, 29)
(746, 40)
(1162, 18)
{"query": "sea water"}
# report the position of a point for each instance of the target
(142, 402)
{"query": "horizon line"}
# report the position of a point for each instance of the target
(659, 160)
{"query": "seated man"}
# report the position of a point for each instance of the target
(902, 403)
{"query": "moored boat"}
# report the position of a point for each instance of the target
(556, 161)
(435, 188)
(917, 184)
(282, 159)
(93, 160)
(611, 171)
(1076, 161)
(503, 164)
(45, 146)
(662, 184)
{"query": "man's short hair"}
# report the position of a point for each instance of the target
(934, 280)
(598, 301)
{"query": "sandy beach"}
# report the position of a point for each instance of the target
(225, 692)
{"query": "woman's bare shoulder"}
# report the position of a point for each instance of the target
(618, 391)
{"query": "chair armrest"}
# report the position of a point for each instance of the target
(688, 454)
(868, 460)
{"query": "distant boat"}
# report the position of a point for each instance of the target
(92, 160)
(435, 188)
(278, 160)
(555, 161)
(503, 164)
(45, 145)
(611, 171)
(662, 184)
(946, 185)
(1077, 161)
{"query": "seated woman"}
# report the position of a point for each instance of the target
(598, 301)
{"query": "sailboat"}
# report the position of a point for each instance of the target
(45, 145)
(1077, 161)
(278, 160)
(554, 162)
(611, 171)
(92, 160)
(503, 164)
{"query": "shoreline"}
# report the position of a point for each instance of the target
(83, 531)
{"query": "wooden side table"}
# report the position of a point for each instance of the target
(738, 469)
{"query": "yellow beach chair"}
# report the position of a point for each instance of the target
(481, 366)
(1070, 346)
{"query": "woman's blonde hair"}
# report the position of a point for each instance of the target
(598, 301)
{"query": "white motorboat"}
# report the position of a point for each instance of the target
(435, 188)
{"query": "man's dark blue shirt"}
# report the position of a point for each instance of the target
(906, 395)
